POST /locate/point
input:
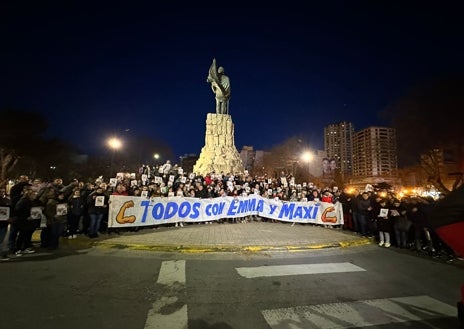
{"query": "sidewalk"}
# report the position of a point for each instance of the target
(245, 237)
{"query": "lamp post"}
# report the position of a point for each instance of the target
(114, 144)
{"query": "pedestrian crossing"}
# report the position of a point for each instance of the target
(168, 312)
(299, 269)
(359, 314)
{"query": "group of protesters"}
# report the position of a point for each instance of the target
(402, 223)
(66, 211)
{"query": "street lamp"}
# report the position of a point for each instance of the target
(114, 144)
(307, 157)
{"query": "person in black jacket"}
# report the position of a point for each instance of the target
(4, 202)
(76, 210)
(447, 219)
(25, 222)
(401, 224)
(16, 193)
(364, 207)
(56, 212)
(97, 204)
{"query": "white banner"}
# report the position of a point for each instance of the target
(126, 211)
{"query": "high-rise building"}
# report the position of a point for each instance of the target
(374, 152)
(338, 140)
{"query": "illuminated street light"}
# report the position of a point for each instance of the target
(307, 157)
(156, 156)
(114, 144)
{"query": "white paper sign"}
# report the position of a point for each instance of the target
(383, 212)
(100, 201)
(113, 182)
(283, 180)
(61, 209)
(4, 213)
(394, 212)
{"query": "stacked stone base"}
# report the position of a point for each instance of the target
(219, 154)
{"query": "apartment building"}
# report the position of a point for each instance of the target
(338, 140)
(374, 152)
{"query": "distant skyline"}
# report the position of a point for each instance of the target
(98, 69)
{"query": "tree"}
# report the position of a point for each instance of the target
(25, 150)
(429, 127)
(286, 157)
(20, 132)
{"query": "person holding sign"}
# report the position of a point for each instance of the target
(24, 221)
(383, 222)
(56, 211)
(97, 203)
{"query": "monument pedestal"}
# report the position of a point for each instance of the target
(219, 153)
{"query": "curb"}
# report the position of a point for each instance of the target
(87, 243)
(211, 249)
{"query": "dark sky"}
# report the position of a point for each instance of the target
(98, 68)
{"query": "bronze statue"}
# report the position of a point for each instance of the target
(220, 84)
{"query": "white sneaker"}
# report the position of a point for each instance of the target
(74, 236)
(177, 224)
(381, 243)
(387, 245)
(28, 251)
(70, 236)
(181, 225)
(18, 253)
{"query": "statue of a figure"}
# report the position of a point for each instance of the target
(220, 84)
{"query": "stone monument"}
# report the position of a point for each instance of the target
(219, 154)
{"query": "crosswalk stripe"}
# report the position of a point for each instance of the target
(172, 271)
(359, 314)
(165, 313)
(281, 270)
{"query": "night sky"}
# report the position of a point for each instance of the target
(99, 68)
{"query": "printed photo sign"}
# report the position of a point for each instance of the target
(99, 201)
(4, 213)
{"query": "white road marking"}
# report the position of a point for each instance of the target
(281, 270)
(374, 312)
(163, 314)
(171, 272)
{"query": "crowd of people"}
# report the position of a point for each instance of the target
(81, 207)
